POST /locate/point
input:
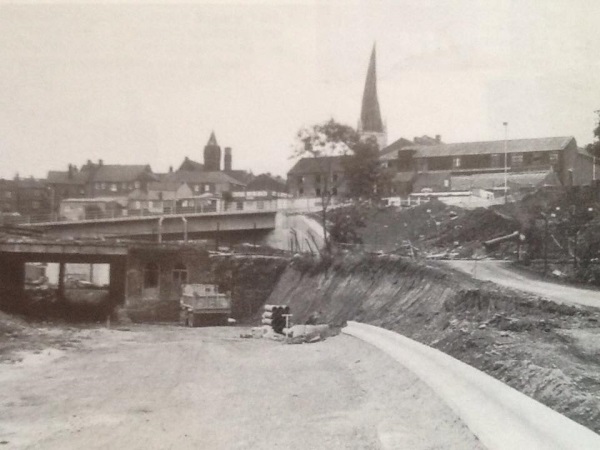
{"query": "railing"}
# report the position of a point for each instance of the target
(228, 208)
(290, 205)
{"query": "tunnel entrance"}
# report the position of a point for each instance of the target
(72, 282)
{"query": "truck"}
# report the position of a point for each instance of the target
(203, 304)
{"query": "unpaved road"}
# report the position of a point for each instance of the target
(166, 387)
(500, 272)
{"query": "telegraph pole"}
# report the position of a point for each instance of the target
(505, 161)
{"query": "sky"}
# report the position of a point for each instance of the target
(134, 83)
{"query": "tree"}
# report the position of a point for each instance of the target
(366, 178)
(326, 139)
(362, 173)
(594, 148)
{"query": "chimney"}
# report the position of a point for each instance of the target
(100, 162)
(170, 169)
(438, 138)
(227, 159)
(70, 176)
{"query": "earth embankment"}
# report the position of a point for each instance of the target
(546, 350)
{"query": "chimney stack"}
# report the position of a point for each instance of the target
(227, 159)
(100, 162)
(438, 138)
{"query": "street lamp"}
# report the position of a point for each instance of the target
(505, 161)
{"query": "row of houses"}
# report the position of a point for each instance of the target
(429, 165)
(98, 188)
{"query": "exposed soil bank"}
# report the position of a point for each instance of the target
(550, 352)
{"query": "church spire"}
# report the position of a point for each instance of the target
(212, 140)
(370, 115)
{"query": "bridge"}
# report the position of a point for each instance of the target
(15, 254)
(228, 226)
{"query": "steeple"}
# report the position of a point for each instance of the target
(212, 155)
(212, 140)
(370, 115)
(370, 123)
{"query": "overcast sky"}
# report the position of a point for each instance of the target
(134, 83)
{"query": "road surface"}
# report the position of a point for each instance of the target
(501, 272)
(166, 387)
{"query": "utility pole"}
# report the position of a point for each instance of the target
(545, 244)
(505, 161)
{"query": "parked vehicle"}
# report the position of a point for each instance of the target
(202, 304)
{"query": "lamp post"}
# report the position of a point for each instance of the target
(505, 161)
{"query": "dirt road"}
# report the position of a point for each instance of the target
(501, 273)
(166, 387)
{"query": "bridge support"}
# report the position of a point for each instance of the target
(12, 283)
(61, 282)
(118, 276)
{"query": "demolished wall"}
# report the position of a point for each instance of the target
(537, 347)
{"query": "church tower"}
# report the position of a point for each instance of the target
(212, 155)
(370, 123)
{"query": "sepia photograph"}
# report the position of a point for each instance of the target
(299, 224)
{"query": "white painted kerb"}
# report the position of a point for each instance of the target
(500, 416)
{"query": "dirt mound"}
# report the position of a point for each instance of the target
(502, 332)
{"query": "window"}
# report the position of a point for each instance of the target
(81, 191)
(516, 159)
(151, 272)
(497, 160)
(180, 274)
(318, 192)
(102, 186)
(196, 188)
(137, 184)
(137, 204)
(446, 183)
(207, 188)
(300, 179)
(553, 157)
(456, 162)
(260, 204)
(239, 205)
(113, 187)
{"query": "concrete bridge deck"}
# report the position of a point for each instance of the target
(199, 224)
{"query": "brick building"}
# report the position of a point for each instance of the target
(312, 177)
(8, 196)
(481, 165)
